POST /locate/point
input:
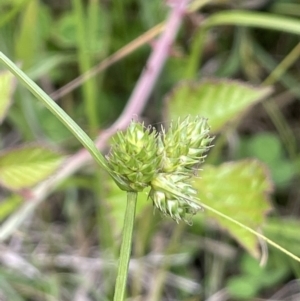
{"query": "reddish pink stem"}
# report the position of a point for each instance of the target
(155, 63)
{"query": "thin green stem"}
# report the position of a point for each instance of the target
(273, 111)
(269, 64)
(196, 54)
(125, 247)
(253, 19)
(283, 66)
(271, 242)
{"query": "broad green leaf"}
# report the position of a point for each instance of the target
(218, 100)
(239, 190)
(8, 205)
(24, 167)
(7, 86)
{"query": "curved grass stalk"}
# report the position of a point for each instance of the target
(269, 241)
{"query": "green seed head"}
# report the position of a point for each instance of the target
(174, 196)
(140, 157)
(134, 156)
(184, 145)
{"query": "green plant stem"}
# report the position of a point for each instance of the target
(125, 247)
(273, 111)
(253, 19)
(271, 242)
(56, 110)
(196, 54)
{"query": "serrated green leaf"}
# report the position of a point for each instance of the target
(239, 190)
(219, 100)
(7, 86)
(24, 167)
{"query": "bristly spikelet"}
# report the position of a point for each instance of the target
(173, 195)
(184, 145)
(183, 148)
(140, 157)
(134, 156)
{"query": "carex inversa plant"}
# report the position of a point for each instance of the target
(165, 161)
(142, 157)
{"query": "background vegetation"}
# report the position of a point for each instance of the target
(60, 241)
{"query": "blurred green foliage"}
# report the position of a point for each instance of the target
(268, 148)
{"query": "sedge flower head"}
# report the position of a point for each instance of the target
(134, 156)
(174, 196)
(184, 144)
(166, 162)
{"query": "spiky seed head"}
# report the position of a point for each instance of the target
(134, 156)
(140, 157)
(174, 196)
(184, 144)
